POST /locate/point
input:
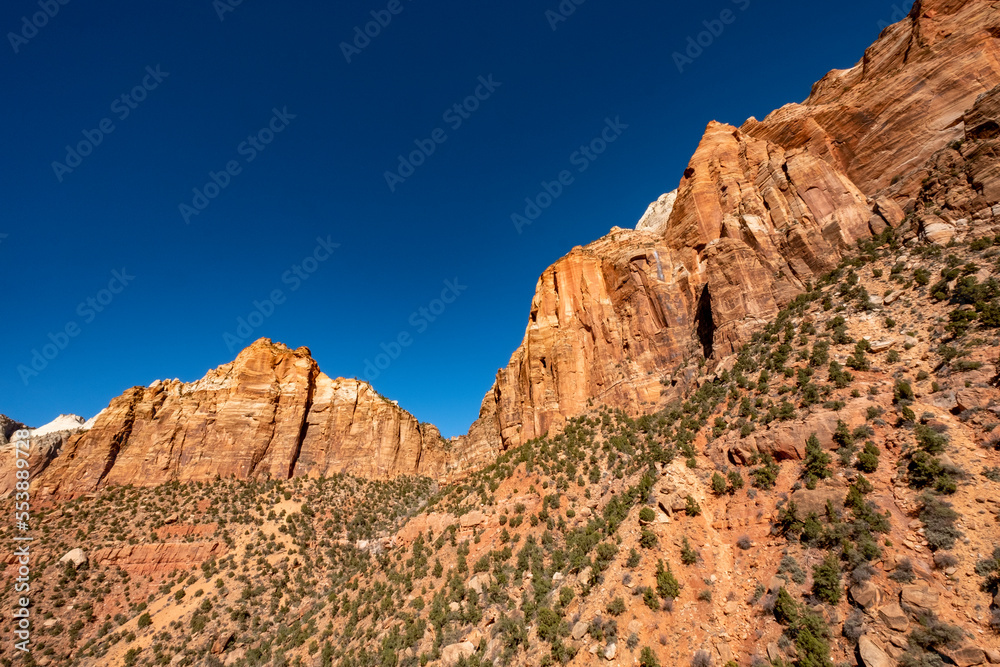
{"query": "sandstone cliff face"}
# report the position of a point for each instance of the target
(882, 119)
(270, 413)
(960, 184)
(749, 226)
(761, 211)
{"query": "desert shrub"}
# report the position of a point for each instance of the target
(735, 481)
(701, 659)
(647, 658)
(817, 462)
(691, 506)
(550, 626)
(943, 560)
(862, 573)
(688, 555)
(791, 567)
(903, 392)
(930, 440)
(939, 520)
(650, 599)
(647, 539)
(868, 458)
(826, 580)
(903, 572)
(933, 633)
(927, 471)
(858, 361)
(744, 543)
(647, 514)
(854, 626)
(616, 607)
(765, 477)
(667, 585)
(718, 484)
(989, 569)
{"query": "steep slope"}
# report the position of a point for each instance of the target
(270, 413)
(670, 539)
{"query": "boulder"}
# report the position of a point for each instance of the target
(945, 400)
(221, 642)
(971, 399)
(455, 652)
(894, 618)
(965, 656)
(993, 655)
(611, 651)
(76, 557)
(579, 630)
(815, 500)
(866, 594)
(920, 596)
(480, 582)
(872, 654)
(472, 519)
(881, 345)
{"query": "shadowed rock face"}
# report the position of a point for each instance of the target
(271, 413)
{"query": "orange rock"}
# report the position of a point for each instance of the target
(271, 413)
(882, 119)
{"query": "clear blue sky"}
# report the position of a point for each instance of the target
(323, 175)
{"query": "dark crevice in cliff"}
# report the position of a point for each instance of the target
(304, 426)
(120, 440)
(705, 322)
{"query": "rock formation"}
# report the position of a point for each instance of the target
(881, 120)
(271, 413)
(761, 211)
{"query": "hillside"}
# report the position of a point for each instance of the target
(762, 428)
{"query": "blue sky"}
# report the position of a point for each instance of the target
(252, 118)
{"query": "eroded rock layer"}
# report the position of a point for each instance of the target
(271, 413)
(882, 119)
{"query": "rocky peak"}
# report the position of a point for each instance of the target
(269, 413)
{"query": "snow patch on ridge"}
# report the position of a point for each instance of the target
(60, 423)
(656, 216)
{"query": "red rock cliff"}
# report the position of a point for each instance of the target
(270, 413)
